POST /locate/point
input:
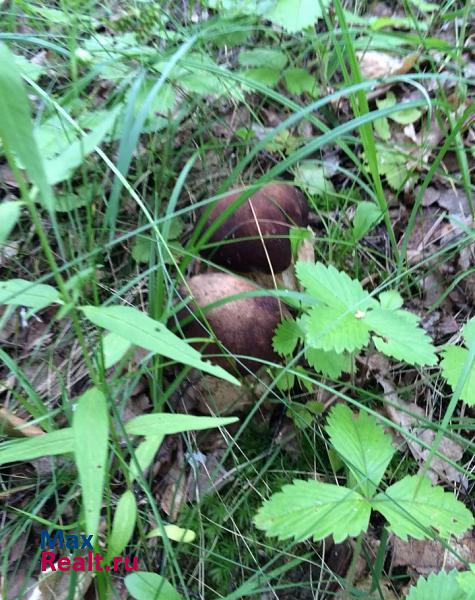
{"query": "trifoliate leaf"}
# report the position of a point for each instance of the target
(398, 335)
(362, 444)
(287, 336)
(413, 507)
(443, 586)
(330, 363)
(331, 329)
(307, 509)
(295, 15)
(299, 81)
(345, 314)
(453, 360)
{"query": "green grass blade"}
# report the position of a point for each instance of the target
(16, 125)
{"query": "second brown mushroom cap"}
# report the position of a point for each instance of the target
(256, 235)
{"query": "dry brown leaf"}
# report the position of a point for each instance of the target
(218, 397)
(54, 585)
(425, 556)
(374, 64)
(407, 418)
(12, 425)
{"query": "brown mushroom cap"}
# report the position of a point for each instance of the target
(276, 207)
(244, 327)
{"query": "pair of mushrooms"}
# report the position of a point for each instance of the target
(254, 237)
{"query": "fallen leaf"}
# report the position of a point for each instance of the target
(12, 425)
(407, 415)
(426, 556)
(374, 64)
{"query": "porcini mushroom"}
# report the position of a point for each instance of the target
(255, 237)
(242, 327)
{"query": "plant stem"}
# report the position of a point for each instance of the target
(350, 576)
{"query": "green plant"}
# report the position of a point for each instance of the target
(313, 509)
(341, 318)
(445, 586)
(88, 440)
(454, 359)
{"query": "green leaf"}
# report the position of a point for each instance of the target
(261, 57)
(265, 75)
(28, 68)
(49, 444)
(406, 117)
(332, 364)
(330, 329)
(9, 215)
(398, 335)
(440, 586)
(19, 292)
(144, 455)
(310, 175)
(453, 359)
(175, 533)
(141, 330)
(332, 287)
(91, 437)
(413, 507)
(287, 336)
(115, 347)
(367, 214)
(466, 580)
(165, 424)
(390, 299)
(468, 332)
(382, 128)
(16, 126)
(308, 509)
(403, 117)
(295, 15)
(122, 526)
(62, 167)
(299, 81)
(362, 444)
(345, 314)
(150, 586)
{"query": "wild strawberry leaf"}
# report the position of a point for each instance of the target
(332, 364)
(362, 444)
(295, 15)
(330, 328)
(440, 586)
(332, 287)
(310, 509)
(413, 507)
(287, 336)
(453, 360)
(398, 335)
